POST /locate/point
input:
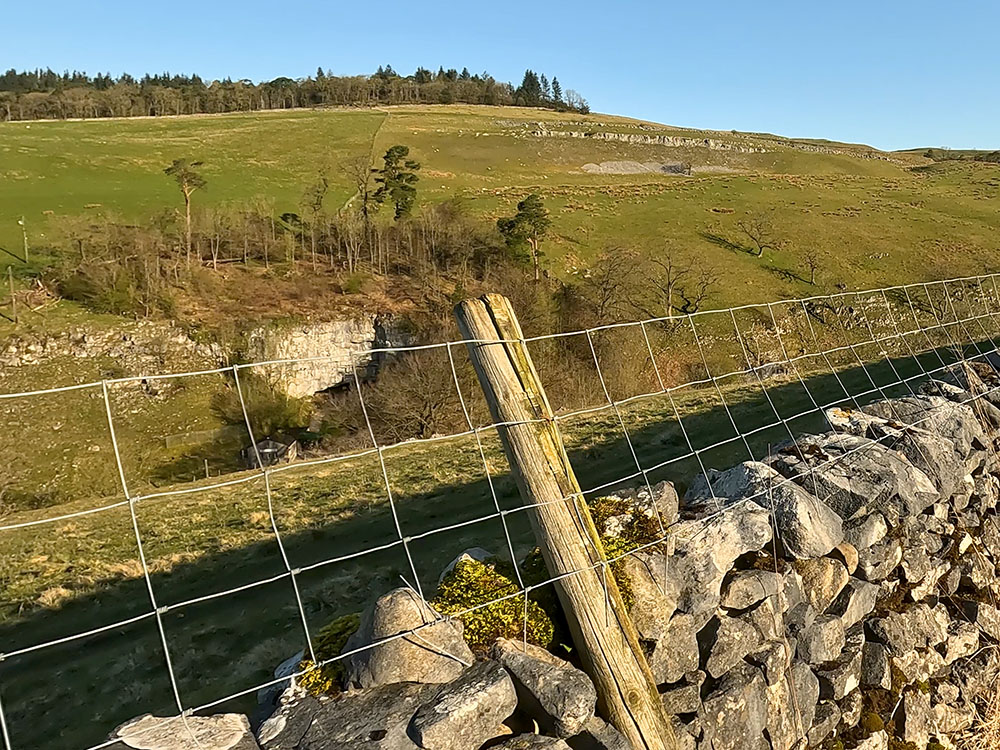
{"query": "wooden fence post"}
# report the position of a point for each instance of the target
(13, 297)
(601, 627)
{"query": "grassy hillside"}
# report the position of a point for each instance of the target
(873, 218)
(898, 216)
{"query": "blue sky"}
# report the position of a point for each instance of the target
(889, 73)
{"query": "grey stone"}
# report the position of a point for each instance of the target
(945, 692)
(684, 697)
(372, 719)
(434, 654)
(962, 641)
(467, 711)
(919, 665)
(806, 527)
(735, 712)
(918, 721)
(766, 617)
(879, 560)
(877, 741)
(875, 666)
(918, 626)
(977, 571)
(773, 660)
(285, 728)
(791, 706)
(839, 678)
(705, 550)
(823, 642)
(864, 532)
(856, 476)
(744, 588)
(976, 676)
(990, 536)
(855, 602)
(822, 580)
(676, 653)
(846, 553)
(955, 423)
(985, 616)
(950, 720)
(532, 742)
(934, 455)
(850, 708)
(734, 639)
(682, 734)
(827, 719)
(599, 735)
(950, 581)
(218, 732)
(654, 595)
(553, 692)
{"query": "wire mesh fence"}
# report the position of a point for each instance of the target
(194, 588)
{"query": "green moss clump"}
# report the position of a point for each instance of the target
(639, 530)
(491, 588)
(871, 723)
(328, 643)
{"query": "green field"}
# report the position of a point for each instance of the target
(875, 222)
(901, 219)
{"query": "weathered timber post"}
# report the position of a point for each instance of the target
(601, 627)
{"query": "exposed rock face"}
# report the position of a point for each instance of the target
(333, 352)
(433, 654)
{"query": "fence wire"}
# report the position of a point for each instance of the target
(761, 348)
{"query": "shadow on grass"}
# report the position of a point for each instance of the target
(725, 243)
(73, 694)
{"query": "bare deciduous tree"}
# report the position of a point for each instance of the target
(359, 171)
(760, 229)
(674, 285)
(813, 259)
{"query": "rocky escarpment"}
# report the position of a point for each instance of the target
(327, 354)
(838, 593)
(739, 144)
(135, 348)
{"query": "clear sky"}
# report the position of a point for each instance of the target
(890, 73)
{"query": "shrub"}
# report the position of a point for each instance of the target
(491, 586)
(271, 410)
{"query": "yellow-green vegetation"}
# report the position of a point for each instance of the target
(490, 589)
(898, 217)
(328, 679)
(874, 221)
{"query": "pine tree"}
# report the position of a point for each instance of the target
(396, 180)
(557, 95)
(546, 90)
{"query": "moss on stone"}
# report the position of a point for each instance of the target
(328, 679)
(490, 590)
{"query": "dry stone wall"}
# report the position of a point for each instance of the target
(840, 593)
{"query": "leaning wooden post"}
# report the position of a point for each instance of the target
(601, 627)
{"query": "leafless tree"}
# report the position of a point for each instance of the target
(760, 229)
(359, 171)
(610, 282)
(674, 285)
(813, 259)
